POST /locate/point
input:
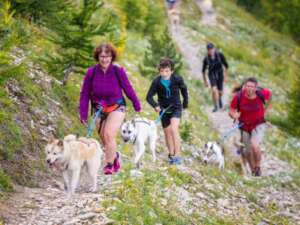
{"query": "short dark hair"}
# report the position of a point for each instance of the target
(107, 48)
(210, 46)
(166, 63)
(251, 79)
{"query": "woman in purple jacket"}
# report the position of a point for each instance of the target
(103, 85)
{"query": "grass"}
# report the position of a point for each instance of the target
(5, 182)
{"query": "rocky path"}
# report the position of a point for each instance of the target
(50, 205)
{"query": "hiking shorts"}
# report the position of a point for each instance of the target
(103, 116)
(166, 118)
(256, 135)
(216, 80)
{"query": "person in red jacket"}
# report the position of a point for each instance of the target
(249, 106)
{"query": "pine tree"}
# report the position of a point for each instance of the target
(160, 47)
(39, 11)
(73, 34)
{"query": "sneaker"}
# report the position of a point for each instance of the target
(108, 169)
(171, 159)
(257, 172)
(117, 163)
(177, 160)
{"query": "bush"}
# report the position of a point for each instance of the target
(5, 182)
(282, 15)
(186, 132)
(136, 12)
(143, 16)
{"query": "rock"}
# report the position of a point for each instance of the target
(136, 173)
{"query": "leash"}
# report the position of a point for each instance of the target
(231, 130)
(161, 114)
(93, 122)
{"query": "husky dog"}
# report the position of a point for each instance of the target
(70, 155)
(138, 131)
(214, 154)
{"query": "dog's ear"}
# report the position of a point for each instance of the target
(223, 151)
(60, 143)
(205, 146)
(51, 139)
(133, 123)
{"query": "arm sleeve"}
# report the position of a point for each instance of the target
(85, 95)
(233, 104)
(204, 65)
(184, 92)
(151, 92)
(223, 60)
(128, 89)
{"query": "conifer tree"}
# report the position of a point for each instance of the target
(73, 34)
(160, 47)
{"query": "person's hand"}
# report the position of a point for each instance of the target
(236, 115)
(157, 109)
(84, 122)
(138, 113)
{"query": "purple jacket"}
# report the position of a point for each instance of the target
(106, 88)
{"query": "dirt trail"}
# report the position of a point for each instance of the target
(50, 205)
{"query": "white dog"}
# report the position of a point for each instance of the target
(214, 155)
(70, 155)
(138, 132)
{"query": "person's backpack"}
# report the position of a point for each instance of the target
(258, 93)
(218, 56)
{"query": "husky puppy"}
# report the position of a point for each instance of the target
(214, 155)
(70, 154)
(138, 131)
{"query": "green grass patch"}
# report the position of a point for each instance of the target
(5, 182)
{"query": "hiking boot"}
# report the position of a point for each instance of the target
(215, 109)
(220, 103)
(177, 160)
(108, 169)
(117, 163)
(257, 172)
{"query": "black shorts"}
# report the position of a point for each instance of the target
(216, 80)
(166, 118)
